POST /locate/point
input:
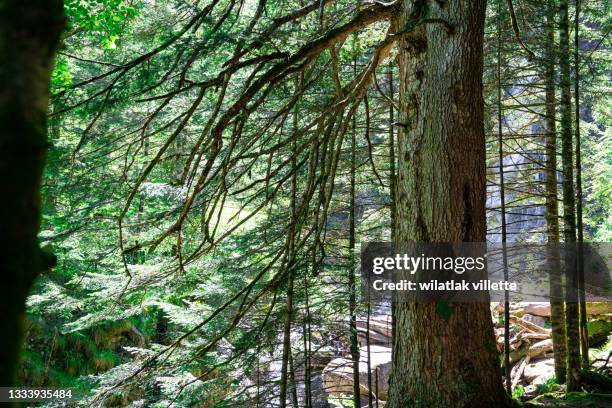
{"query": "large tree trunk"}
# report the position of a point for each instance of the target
(29, 35)
(440, 362)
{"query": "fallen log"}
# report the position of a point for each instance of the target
(528, 325)
(543, 308)
(600, 381)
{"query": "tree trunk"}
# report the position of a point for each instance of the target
(392, 182)
(29, 35)
(557, 306)
(391, 153)
(569, 204)
(502, 200)
(440, 362)
(291, 269)
(584, 334)
(354, 345)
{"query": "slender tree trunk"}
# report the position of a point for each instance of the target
(440, 362)
(293, 383)
(291, 268)
(557, 306)
(287, 335)
(584, 334)
(569, 204)
(29, 36)
(502, 199)
(369, 301)
(354, 345)
(392, 184)
(391, 153)
(306, 337)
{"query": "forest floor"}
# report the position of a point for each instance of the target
(571, 400)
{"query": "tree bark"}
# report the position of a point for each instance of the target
(291, 269)
(354, 345)
(391, 153)
(502, 201)
(569, 205)
(557, 306)
(584, 334)
(29, 36)
(441, 198)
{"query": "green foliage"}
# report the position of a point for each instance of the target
(518, 392)
(549, 385)
(114, 300)
(104, 18)
(61, 78)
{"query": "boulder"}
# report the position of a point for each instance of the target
(380, 331)
(375, 338)
(319, 395)
(537, 320)
(321, 357)
(338, 374)
(537, 309)
(377, 324)
(539, 371)
(541, 347)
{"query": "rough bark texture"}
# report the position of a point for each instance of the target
(29, 35)
(441, 362)
(569, 204)
(557, 306)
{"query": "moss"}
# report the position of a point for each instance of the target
(598, 330)
(571, 400)
(105, 361)
(584, 397)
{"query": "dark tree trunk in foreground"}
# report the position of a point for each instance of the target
(557, 306)
(569, 204)
(29, 35)
(443, 361)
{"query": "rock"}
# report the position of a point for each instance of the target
(377, 325)
(380, 331)
(375, 338)
(539, 371)
(539, 348)
(321, 357)
(531, 391)
(537, 320)
(338, 374)
(319, 395)
(537, 309)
